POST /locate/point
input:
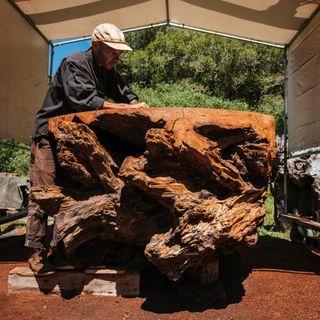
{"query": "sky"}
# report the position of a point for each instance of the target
(63, 51)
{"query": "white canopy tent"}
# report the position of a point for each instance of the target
(27, 27)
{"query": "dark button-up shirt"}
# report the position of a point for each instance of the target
(80, 85)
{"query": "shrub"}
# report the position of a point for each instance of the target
(14, 157)
(184, 94)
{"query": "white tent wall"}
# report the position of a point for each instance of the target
(304, 89)
(23, 74)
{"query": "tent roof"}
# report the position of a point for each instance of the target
(272, 21)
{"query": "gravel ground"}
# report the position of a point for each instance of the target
(274, 280)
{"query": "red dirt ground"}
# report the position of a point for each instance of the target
(274, 280)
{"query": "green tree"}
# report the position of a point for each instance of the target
(14, 157)
(227, 68)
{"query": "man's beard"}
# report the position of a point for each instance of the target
(101, 61)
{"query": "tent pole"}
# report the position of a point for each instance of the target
(167, 11)
(304, 152)
(183, 26)
(57, 44)
(152, 25)
(51, 46)
(285, 133)
(125, 30)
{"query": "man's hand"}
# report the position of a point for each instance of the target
(135, 105)
(139, 105)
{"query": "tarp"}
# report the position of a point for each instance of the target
(274, 21)
(23, 74)
(304, 89)
(12, 190)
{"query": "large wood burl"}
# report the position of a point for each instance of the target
(181, 184)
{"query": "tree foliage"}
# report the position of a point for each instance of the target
(14, 157)
(184, 94)
(227, 68)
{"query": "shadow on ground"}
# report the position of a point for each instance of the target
(280, 254)
(164, 296)
(12, 249)
(274, 254)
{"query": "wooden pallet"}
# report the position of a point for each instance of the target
(101, 282)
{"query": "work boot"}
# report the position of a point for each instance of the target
(40, 264)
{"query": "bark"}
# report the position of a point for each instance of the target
(181, 184)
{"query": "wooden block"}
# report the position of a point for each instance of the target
(108, 282)
(105, 271)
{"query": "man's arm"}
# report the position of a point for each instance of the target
(81, 93)
(79, 87)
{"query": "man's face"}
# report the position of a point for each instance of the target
(106, 56)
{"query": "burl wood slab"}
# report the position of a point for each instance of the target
(184, 184)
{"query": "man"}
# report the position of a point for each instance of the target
(82, 82)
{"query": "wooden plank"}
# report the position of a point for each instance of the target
(106, 282)
(13, 216)
(105, 271)
(302, 221)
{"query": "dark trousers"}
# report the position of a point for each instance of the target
(42, 172)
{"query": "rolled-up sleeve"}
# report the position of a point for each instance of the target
(80, 90)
